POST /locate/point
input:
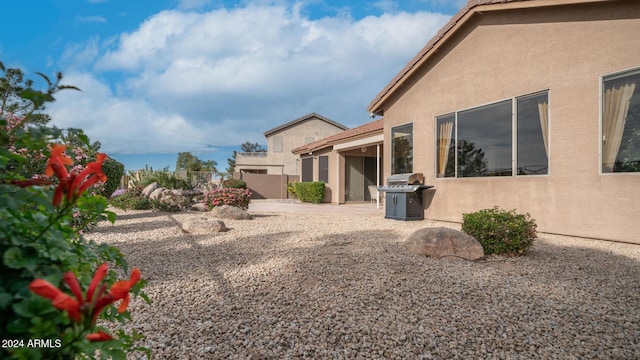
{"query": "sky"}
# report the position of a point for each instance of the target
(167, 76)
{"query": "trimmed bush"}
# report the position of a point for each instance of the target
(228, 196)
(114, 171)
(312, 192)
(500, 231)
(234, 184)
(132, 200)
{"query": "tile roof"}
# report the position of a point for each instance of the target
(472, 7)
(301, 119)
(370, 128)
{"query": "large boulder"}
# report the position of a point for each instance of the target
(230, 212)
(199, 207)
(203, 226)
(156, 194)
(440, 242)
(149, 189)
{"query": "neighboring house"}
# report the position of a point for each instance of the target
(348, 162)
(281, 140)
(531, 105)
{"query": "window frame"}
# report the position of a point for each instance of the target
(392, 147)
(323, 168)
(605, 77)
(514, 136)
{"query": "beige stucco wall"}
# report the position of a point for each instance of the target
(292, 137)
(503, 54)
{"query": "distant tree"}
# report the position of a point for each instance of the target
(471, 160)
(189, 162)
(18, 98)
(247, 147)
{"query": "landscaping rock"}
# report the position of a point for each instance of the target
(149, 189)
(156, 194)
(439, 242)
(199, 207)
(230, 212)
(203, 226)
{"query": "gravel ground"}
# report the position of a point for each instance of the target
(290, 285)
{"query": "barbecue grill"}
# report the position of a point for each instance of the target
(403, 196)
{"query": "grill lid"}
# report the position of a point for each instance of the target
(403, 188)
(406, 179)
(405, 183)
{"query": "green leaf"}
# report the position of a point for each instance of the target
(5, 300)
(13, 258)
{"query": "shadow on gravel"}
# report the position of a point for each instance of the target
(120, 228)
(141, 215)
(361, 294)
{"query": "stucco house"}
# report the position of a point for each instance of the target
(278, 159)
(348, 162)
(531, 105)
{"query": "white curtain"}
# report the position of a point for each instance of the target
(445, 130)
(543, 111)
(614, 117)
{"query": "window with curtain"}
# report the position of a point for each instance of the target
(479, 142)
(323, 168)
(402, 149)
(532, 134)
(621, 122)
(445, 151)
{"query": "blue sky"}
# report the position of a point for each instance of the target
(164, 76)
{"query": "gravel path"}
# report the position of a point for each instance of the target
(287, 285)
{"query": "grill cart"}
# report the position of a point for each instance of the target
(403, 196)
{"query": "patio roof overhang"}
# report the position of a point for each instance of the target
(359, 143)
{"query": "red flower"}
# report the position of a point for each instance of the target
(57, 162)
(72, 185)
(99, 336)
(94, 302)
(89, 176)
(60, 300)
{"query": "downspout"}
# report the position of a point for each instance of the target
(337, 196)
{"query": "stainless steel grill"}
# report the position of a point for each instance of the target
(403, 196)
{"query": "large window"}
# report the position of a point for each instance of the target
(480, 142)
(402, 149)
(532, 116)
(621, 122)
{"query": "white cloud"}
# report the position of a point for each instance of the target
(190, 80)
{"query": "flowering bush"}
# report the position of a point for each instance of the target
(228, 196)
(42, 251)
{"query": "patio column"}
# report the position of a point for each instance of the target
(377, 175)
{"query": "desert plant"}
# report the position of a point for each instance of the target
(500, 231)
(169, 180)
(312, 192)
(228, 196)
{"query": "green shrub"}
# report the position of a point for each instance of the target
(234, 184)
(500, 231)
(291, 188)
(114, 171)
(312, 192)
(132, 200)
